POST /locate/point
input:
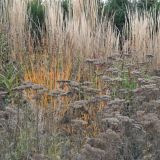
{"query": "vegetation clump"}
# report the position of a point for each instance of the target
(79, 80)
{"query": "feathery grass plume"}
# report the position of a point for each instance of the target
(17, 10)
(142, 34)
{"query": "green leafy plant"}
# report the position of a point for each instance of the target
(128, 82)
(10, 77)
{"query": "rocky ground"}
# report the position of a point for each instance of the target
(131, 129)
